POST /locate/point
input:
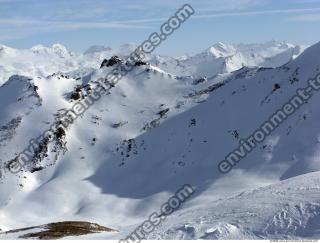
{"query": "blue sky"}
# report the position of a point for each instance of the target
(78, 24)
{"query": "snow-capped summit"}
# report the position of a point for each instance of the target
(233, 57)
(221, 50)
(58, 49)
(61, 50)
(6, 50)
(39, 48)
(224, 58)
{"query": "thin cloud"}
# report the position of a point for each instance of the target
(21, 28)
(235, 14)
(69, 25)
(252, 13)
(306, 18)
(132, 23)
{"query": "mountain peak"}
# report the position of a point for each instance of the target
(221, 49)
(61, 50)
(58, 46)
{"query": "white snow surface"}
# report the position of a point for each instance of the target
(117, 176)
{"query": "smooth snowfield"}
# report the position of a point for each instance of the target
(155, 131)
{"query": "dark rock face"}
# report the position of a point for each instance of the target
(35, 169)
(114, 60)
(59, 230)
(276, 86)
(104, 63)
(140, 63)
(111, 62)
(78, 89)
(119, 124)
(60, 133)
(200, 80)
(76, 96)
(163, 112)
(8, 131)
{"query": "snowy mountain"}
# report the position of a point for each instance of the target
(225, 58)
(162, 126)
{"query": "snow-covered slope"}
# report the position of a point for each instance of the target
(157, 130)
(289, 209)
